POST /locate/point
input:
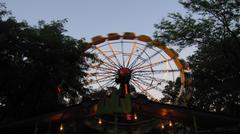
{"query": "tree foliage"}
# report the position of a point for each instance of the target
(171, 91)
(213, 27)
(216, 72)
(206, 21)
(39, 64)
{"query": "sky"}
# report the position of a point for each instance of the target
(89, 18)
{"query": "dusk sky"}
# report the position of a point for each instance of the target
(88, 18)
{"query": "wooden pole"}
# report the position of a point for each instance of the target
(195, 125)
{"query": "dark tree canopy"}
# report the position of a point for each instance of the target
(171, 91)
(39, 66)
(206, 21)
(216, 74)
(213, 26)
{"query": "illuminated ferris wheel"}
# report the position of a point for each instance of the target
(138, 63)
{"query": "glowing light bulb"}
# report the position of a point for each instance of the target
(162, 126)
(170, 124)
(135, 116)
(99, 121)
(61, 127)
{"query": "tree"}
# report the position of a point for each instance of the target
(39, 64)
(207, 21)
(171, 91)
(216, 77)
(213, 27)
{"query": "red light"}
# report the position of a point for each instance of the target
(128, 116)
(59, 89)
(126, 89)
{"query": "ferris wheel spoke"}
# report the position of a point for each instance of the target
(148, 72)
(92, 77)
(113, 64)
(147, 59)
(100, 74)
(137, 85)
(156, 87)
(107, 65)
(122, 48)
(102, 79)
(152, 86)
(147, 77)
(141, 88)
(101, 63)
(131, 54)
(152, 65)
(138, 57)
(108, 83)
(148, 84)
(104, 69)
(114, 54)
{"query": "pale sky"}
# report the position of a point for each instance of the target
(89, 18)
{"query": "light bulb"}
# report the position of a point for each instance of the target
(135, 116)
(61, 127)
(162, 126)
(99, 121)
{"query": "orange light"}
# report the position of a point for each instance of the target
(126, 89)
(128, 116)
(135, 116)
(170, 124)
(61, 127)
(99, 121)
(162, 126)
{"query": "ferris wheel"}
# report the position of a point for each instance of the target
(129, 62)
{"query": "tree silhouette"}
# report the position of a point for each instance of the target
(38, 66)
(213, 27)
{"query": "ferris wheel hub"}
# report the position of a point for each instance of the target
(124, 72)
(124, 75)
